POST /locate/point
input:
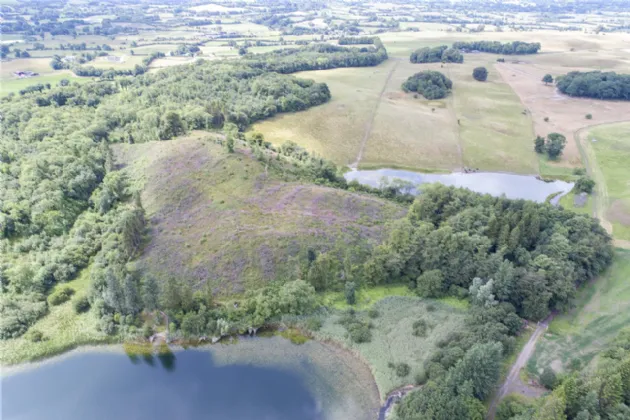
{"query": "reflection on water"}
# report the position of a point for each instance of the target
(497, 184)
(154, 385)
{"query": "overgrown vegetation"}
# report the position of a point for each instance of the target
(430, 84)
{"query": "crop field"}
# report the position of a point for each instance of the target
(602, 310)
(392, 336)
(219, 217)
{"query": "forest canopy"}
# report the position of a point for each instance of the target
(508, 48)
(430, 84)
(595, 84)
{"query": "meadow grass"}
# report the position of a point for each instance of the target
(612, 158)
(15, 85)
(366, 297)
(567, 202)
(602, 309)
(62, 327)
(392, 335)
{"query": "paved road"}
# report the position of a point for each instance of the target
(513, 383)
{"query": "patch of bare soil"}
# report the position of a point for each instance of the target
(565, 114)
(619, 212)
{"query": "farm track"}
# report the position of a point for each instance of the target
(513, 383)
(370, 121)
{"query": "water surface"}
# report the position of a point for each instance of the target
(256, 379)
(513, 186)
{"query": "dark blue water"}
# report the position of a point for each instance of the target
(183, 385)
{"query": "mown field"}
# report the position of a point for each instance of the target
(221, 218)
(602, 309)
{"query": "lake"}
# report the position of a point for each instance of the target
(218, 382)
(513, 186)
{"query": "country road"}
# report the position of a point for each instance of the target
(513, 383)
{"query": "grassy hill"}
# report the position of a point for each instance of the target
(227, 219)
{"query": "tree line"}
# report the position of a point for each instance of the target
(496, 47)
(595, 84)
(439, 54)
(318, 57)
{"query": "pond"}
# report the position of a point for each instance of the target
(513, 186)
(242, 381)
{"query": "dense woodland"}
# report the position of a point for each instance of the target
(595, 84)
(508, 48)
(439, 54)
(430, 84)
(318, 57)
(60, 203)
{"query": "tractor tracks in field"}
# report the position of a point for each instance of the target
(368, 125)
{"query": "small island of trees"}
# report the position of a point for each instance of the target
(480, 74)
(430, 84)
(595, 84)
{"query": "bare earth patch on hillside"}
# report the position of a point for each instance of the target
(218, 217)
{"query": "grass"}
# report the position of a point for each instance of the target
(392, 338)
(405, 130)
(15, 85)
(219, 217)
(602, 309)
(567, 202)
(611, 167)
(366, 297)
(63, 329)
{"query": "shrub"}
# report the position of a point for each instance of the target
(579, 171)
(589, 116)
(81, 304)
(420, 378)
(548, 378)
(546, 119)
(402, 370)
(60, 295)
(313, 324)
(420, 328)
(431, 307)
(584, 184)
(373, 313)
(34, 336)
(360, 333)
(350, 293)
(480, 74)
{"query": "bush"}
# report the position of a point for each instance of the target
(34, 336)
(350, 293)
(402, 370)
(480, 74)
(548, 378)
(360, 333)
(420, 328)
(60, 295)
(546, 119)
(584, 184)
(589, 116)
(373, 313)
(420, 378)
(81, 304)
(313, 324)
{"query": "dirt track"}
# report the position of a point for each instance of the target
(513, 383)
(370, 121)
